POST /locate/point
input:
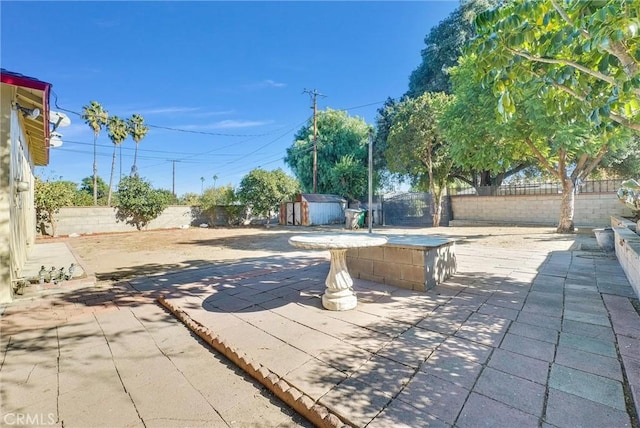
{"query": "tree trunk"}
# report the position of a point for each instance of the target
(52, 219)
(437, 213)
(436, 196)
(134, 168)
(567, 207)
(113, 171)
(95, 170)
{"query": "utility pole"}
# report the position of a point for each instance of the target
(314, 95)
(173, 189)
(370, 216)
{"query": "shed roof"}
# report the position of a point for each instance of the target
(318, 197)
(32, 93)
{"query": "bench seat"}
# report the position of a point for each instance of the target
(415, 262)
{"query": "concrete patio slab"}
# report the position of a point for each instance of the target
(510, 340)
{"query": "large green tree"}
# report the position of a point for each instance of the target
(483, 151)
(443, 46)
(86, 186)
(573, 69)
(566, 146)
(118, 132)
(624, 163)
(586, 50)
(342, 150)
(264, 190)
(384, 120)
(138, 130)
(416, 146)
(96, 117)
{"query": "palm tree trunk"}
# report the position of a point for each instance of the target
(134, 168)
(113, 170)
(95, 170)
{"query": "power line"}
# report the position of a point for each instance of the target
(202, 157)
(148, 150)
(169, 128)
(218, 134)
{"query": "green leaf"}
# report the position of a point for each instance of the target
(603, 64)
(617, 35)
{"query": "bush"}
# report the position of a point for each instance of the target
(218, 199)
(139, 203)
(49, 197)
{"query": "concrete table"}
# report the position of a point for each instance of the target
(339, 294)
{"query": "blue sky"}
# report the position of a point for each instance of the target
(232, 73)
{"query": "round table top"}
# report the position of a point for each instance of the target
(328, 241)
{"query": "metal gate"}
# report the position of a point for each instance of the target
(413, 209)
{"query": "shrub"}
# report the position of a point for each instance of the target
(138, 202)
(49, 197)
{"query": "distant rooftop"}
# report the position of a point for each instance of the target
(318, 197)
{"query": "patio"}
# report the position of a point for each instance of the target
(516, 337)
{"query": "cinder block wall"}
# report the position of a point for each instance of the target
(591, 209)
(415, 267)
(83, 220)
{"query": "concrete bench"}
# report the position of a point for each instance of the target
(409, 261)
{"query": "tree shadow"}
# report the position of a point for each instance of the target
(79, 351)
(275, 239)
(398, 342)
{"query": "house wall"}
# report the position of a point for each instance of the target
(591, 209)
(5, 206)
(17, 211)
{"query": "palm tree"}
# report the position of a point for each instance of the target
(201, 185)
(215, 178)
(118, 132)
(137, 130)
(96, 117)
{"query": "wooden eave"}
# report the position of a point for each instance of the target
(32, 93)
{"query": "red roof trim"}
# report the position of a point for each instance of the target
(17, 79)
(25, 81)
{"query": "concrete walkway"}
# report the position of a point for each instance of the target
(516, 338)
(111, 357)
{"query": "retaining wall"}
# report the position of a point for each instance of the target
(627, 245)
(591, 209)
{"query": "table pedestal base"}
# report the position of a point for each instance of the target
(339, 294)
(339, 301)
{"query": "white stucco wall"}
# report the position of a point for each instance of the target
(5, 216)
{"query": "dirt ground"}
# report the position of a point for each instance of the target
(126, 255)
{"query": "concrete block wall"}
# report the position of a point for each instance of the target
(591, 209)
(628, 254)
(418, 266)
(83, 220)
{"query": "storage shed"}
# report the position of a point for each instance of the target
(312, 209)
